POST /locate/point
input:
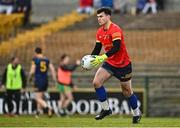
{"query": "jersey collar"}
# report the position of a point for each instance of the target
(109, 24)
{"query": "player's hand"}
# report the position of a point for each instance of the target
(75, 88)
(98, 60)
(78, 62)
(2, 87)
(23, 90)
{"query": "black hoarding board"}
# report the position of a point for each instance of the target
(84, 103)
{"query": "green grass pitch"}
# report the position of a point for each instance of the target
(85, 121)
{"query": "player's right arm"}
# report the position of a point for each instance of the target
(53, 72)
(98, 46)
(97, 49)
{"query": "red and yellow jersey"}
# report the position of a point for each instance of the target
(106, 38)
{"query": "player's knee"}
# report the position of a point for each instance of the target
(71, 98)
(127, 92)
(37, 99)
(96, 83)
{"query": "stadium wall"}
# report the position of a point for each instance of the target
(172, 5)
(46, 10)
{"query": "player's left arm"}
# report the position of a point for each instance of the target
(116, 42)
(115, 48)
(53, 72)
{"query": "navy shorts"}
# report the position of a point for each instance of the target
(41, 86)
(123, 74)
(40, 89)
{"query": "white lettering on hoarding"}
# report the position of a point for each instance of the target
(14, 108)
(79, 106)
(1, 106)
(82, 106)
(94, 103)
(114, 105)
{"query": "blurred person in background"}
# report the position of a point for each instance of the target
(39, 67)
(14, 82)
(140, 5)
(85, 6)
(120, 6)
(24, 6)
(160, 4)
(7, 6)
(150, 4)
(107, 3)
(65, 84)
(97, 3)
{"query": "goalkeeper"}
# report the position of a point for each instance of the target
(115, 61)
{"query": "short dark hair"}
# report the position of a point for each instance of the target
(13, 58)
(63, 57)
(38, 50)
(106, 10)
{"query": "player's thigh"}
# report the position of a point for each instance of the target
(39, 95)
(101, 76)
(127, 88)
(68, 92)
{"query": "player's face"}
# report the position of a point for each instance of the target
(66, 60)
(35, 54)
(102, 18)
(16, 61)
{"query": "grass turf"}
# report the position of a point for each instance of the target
(85, 121)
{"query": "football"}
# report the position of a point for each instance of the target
(86, 62)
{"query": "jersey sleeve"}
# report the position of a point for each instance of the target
(97, 37)
(116, 34)
(33, 62)
(48, 62)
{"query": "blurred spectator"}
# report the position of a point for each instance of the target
(120, 6)
(24, 6)
(160, 4)
(140, 5)
(97, 3)
(14, 81)
(7, 6)
(150, 4)
(107, 3)
(85, 6)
